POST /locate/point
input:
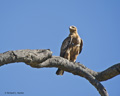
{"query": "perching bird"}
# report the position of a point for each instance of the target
(71, 47)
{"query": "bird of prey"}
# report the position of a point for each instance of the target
(71, 47)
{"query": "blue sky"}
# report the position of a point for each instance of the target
(43, 24)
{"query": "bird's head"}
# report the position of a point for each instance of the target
(72, 29)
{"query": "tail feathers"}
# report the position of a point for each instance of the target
(60, 72)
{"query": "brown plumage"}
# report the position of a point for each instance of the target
(71, 47)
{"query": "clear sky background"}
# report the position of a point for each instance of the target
(43, 24)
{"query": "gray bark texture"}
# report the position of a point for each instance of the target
(40, 58)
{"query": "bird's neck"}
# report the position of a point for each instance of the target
(74, 33)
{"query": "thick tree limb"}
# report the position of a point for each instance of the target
(75, 69)
(44, 58)
(26, 56)
(108, 73)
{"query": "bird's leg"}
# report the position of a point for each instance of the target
(67, 55)
(73, 58)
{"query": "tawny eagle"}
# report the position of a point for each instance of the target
(71, 47)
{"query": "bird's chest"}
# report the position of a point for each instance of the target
(74, 50)
(75, 45)
(75, 41)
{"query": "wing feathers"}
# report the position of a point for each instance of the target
(65, 45)
(81, 45)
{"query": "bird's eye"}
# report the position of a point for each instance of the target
(72, 26)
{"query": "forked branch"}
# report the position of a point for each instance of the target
(43, 58)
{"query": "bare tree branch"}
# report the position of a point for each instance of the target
(108, 73)
(27, 56)
(75, 69)
(43, 58)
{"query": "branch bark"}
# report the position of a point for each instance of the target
(43, 58)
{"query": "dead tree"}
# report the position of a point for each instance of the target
(40, 58)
